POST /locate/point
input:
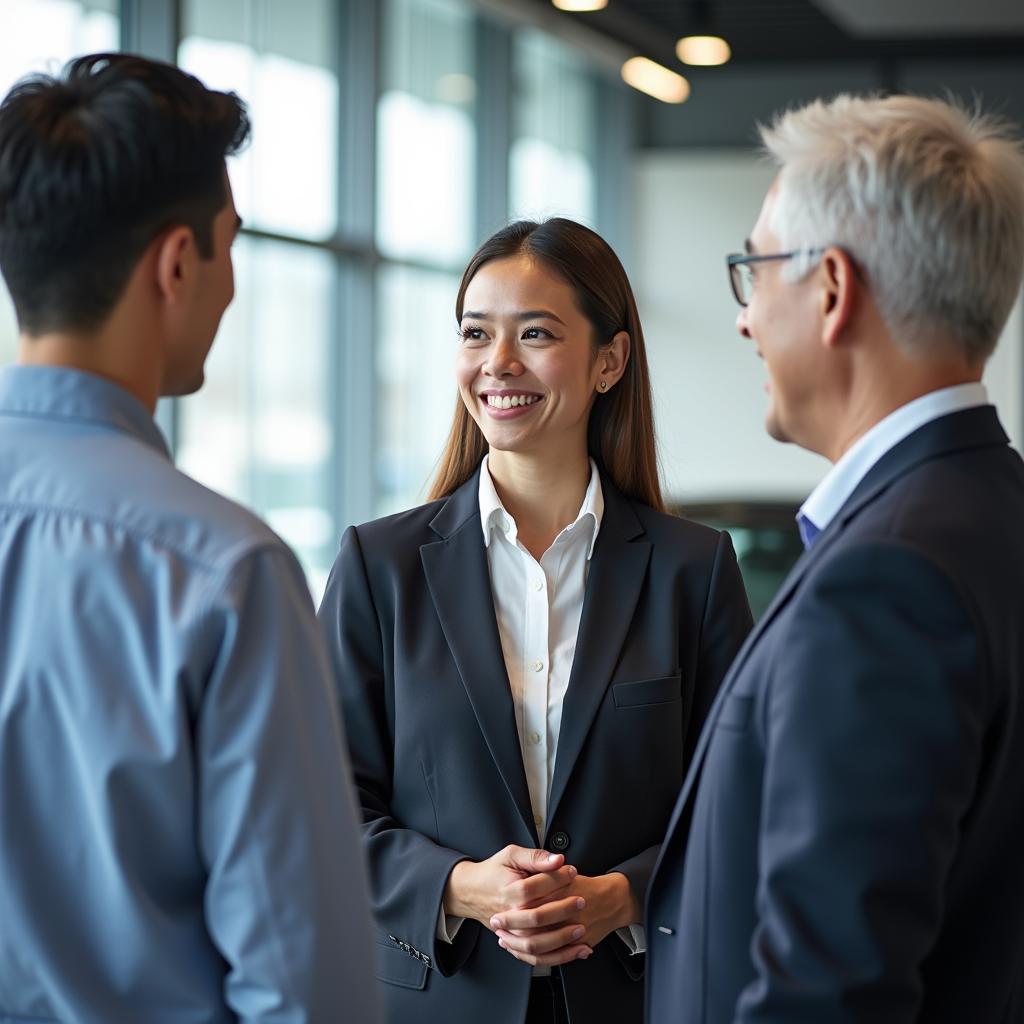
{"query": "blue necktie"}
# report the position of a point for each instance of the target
(808, 531)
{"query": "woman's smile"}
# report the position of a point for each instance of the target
(509, 404)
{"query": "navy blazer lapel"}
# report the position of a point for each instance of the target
(617, 570)
(973, 428)
(460, 585)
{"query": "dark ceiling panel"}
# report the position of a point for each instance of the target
(777, 30)
(786, 52)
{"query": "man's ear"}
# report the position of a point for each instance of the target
(176, 258)
(839, 285)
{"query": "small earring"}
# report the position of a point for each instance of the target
(603, 385)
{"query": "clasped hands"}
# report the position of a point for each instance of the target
(543, 911)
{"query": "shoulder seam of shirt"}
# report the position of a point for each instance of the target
(231, 554)
(110, 425)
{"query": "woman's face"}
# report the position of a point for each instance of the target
(526, 366)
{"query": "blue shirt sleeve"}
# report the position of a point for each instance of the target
(286, 896)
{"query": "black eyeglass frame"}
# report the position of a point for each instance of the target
(743, 259)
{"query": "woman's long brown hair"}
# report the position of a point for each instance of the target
(620, 434)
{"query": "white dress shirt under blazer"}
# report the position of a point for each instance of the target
(538, 607)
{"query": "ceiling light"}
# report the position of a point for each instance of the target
(580, 5)
(655, 80)
(705, 51)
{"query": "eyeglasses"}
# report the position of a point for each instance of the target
(741, 274)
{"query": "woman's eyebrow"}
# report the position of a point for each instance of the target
(539, 314)
(526, 314)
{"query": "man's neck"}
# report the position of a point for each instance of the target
(883, 387)
(102, 354)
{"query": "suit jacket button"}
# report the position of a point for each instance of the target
(558, 842)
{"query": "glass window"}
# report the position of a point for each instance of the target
(280, 59)
(41, 35)
(416, 389)
(426, 156)
(552, 157)
(261, 429)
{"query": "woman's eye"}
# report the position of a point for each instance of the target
(534, 333)
(471, 334)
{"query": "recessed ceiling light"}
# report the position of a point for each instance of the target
(705, 51)
(655, 80)
(580, 5)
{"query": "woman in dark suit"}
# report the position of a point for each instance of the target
(524, 663)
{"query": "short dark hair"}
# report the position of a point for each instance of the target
(94, 164)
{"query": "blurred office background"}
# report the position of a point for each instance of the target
(392, 136)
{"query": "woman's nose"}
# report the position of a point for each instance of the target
(503, 359)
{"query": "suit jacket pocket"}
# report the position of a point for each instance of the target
(397, 967)
(647, 691)
(735, 713)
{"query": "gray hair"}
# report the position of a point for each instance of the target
(925, 196)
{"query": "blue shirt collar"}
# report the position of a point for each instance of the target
(58, 392)
(825, 501)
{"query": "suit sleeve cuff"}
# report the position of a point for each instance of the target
(635, 938)
(448, 926)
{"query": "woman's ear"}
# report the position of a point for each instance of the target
(611, 361)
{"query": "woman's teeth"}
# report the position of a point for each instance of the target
(499, 402)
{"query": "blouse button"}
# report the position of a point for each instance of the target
(537, 665)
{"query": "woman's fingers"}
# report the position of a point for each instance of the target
(541, 941)
(521, 858)
(537, 953)
(538, 889)
(543, 916)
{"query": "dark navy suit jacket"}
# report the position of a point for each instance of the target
(411, 629)
(856, 852)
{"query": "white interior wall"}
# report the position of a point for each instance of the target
(690, 209)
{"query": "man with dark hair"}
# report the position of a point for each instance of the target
(177, 829)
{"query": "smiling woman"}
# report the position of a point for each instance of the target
(525, 662)
(565, 290)
(529, 376)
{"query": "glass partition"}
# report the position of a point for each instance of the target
(280, 59)
(416, 390)
(260, 430)
(426, 158)
(553, 154)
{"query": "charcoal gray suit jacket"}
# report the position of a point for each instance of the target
(410, 625)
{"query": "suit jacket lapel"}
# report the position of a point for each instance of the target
(972, 428)
(617, 570)
(460, 585)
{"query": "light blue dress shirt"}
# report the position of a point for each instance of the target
(825, 501)
(177, 827)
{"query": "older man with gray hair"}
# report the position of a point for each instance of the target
(857, 797)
